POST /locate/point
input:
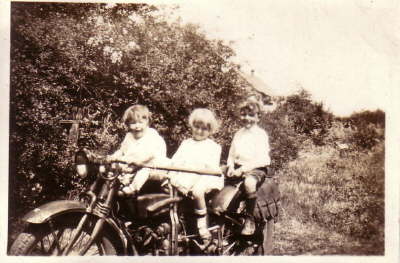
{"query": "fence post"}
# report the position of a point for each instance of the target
(73, 135)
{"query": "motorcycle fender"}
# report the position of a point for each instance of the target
(222, 201)
(47, 211)
(50, 210)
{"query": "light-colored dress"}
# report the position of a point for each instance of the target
(204, 154)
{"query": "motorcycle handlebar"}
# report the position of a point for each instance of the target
(97, 159)
(172, 168)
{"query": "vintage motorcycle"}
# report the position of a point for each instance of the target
(158, 221)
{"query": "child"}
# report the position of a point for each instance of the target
(249, 155)
(142, 145)
(199, 152)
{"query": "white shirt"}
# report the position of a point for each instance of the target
(250, 148)
(150, 145)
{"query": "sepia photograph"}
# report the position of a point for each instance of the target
(198, 128)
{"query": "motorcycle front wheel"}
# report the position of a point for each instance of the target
(52, 239)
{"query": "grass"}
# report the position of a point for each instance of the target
(332, 203)
(293, 237)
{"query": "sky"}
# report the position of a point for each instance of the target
(345, 53)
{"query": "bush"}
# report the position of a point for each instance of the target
(295, 120)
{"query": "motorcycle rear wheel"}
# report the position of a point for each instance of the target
(236, 245)
(43, 240)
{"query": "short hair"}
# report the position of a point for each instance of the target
(133, 113)
(206, 117)
(253, 102)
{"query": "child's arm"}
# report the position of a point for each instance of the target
(141, 159)
(120, 152)
(230, 163)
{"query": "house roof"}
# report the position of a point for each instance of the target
(258, 84)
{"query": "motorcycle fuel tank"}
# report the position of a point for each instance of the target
(145, 201)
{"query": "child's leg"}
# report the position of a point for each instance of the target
(140, 178)
(250, 186)
(200, 210)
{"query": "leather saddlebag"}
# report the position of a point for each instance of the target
(268, 197)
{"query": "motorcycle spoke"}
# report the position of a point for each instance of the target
(57, 242)
(63, 240)
(229, 247)
(78, 243)
(69, 236)
(42, 248)
(94, 249)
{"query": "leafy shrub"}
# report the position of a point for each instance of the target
(295, 120)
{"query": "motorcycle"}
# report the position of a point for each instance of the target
(159, 221)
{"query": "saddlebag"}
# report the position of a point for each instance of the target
(268, 196)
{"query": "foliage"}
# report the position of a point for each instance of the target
(295, 120)
(368, 128)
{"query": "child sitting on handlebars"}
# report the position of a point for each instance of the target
(142, 145)
(199, 152)
(249, 155)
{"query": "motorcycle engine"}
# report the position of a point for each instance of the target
(153, 240)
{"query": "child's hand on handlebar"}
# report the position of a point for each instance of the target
(231, 172)
(125, 179)
(234, 172)
(128, 191)
(110, 158)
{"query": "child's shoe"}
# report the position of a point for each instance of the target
(249, 226)
(204, 234)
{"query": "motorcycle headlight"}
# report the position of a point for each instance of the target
(81, 164)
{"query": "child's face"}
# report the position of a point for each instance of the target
(138, 125)
(248, 117)
(200, 131)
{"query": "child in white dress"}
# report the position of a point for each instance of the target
(199, 152)
(142, 145)
(249, 155)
